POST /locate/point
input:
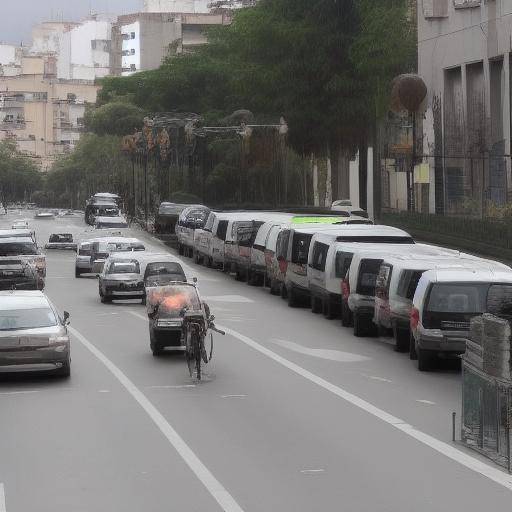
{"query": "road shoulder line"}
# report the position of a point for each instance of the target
(213, 486)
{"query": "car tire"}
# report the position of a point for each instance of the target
(65, 371)
(283, 291)
(156, 350)
(180, 249)
(78, 273)
(425, 360)
(144, 300)
(209, 262)
(402, 339)
(316, 305)
(293, 300)
(274, 290)
(413, 356)
(239, 276)
(346, 315)
(328, 310)
(105, 300)
(359, 330)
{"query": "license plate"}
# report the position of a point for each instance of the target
(462, 326)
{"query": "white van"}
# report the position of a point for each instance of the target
(202, 241)
(359, 286)
(190, 219)
(330, 255)
(444, 303)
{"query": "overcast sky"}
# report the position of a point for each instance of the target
(18, 16)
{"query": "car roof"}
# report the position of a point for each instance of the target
(149, 257)
(16, 233)
(475, 275)
(21, 299)
(344, 227)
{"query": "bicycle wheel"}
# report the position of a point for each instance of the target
(189, 351)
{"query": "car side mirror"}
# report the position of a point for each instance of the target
(66, 318)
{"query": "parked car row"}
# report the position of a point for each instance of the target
(377, 279)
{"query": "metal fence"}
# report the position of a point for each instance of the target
(486, 414)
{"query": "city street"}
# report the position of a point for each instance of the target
(294, 414)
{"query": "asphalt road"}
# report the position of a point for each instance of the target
(295, 414)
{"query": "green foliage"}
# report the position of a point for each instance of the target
(114, 119)
(19, 176)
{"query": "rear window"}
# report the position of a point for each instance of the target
(343, 261)
(17, 248)
(408, 283)
(499, 300)
(14, 319)
(282, 244)
(164, 268)
(85, 250)
(124, 267)
(368, 271)
(319, 256)
(222, 229)
(300, 248)
(457, 298)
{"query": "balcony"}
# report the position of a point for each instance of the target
(12, 124)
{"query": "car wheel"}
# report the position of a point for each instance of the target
(412, 348)
(65, 370)
(180, 249)
(316, 305)
(292, 298)
(425, 360)
(209, 262)
(105, 300)
(239, 276)
(328, 310)
(346, 315)
(144, 300)
(402, 339)
(78, 273)
(274, 290)
(363, 326)
(156, 350)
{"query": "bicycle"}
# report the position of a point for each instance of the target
(195, 332)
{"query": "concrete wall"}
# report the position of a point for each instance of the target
(178, 6)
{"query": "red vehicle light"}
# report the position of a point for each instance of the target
(345, 289)
(415, 318)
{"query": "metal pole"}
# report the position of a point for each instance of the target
(134, 195)
(454, 416)
(146, 190)
(413, 163)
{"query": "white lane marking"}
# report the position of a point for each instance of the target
(103, 391)
(2, 498)
(234, 396)
(312, 471)
(184, 386)
(9, 393)
(494, 474)
(331, 355)
(235, 299)
(373, 377)
(214, 487)
(428, 402)
(138, 315)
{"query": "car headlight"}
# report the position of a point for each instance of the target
(163, 322)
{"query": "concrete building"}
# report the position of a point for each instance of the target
(43, 114)
(46, 35)
(141, 41)
(464, 50)
(175, 6)
(84, 50)
(10, 59)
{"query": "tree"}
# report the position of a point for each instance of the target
(114, 119)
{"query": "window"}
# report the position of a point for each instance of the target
(300, 249)
(435, 8)
(132, 51)
(343, 261)
(499, 300)
(14, 319)
(368, 271)
(457, 298)
(124, 267)
(282, 244)
(222, 230)
(408, 283)
(382, 282)
(133, 67)
(319, 256)
(132, 35)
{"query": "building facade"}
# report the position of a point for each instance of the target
(43, 114)
(189, 6)
(141, 41)
(464, 52)
(10, 59)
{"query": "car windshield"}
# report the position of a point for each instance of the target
(15, 248)
(171, 300)
(16, 319)
(124, 267)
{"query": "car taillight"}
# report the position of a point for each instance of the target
(415, 318)
(345, 289)
(40, 263)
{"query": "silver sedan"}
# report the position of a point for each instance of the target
(33, 336)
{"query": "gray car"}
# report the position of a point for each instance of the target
(121, 279)
(33, 336)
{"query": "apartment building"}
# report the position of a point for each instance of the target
(464, 52)
(43, 114)
(10, 59)
(141, 41)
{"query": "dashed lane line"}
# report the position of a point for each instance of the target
(214, 487)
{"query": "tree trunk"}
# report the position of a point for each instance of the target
(314, 166)
(328, 185)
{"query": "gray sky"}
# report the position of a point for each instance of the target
(18, 16)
